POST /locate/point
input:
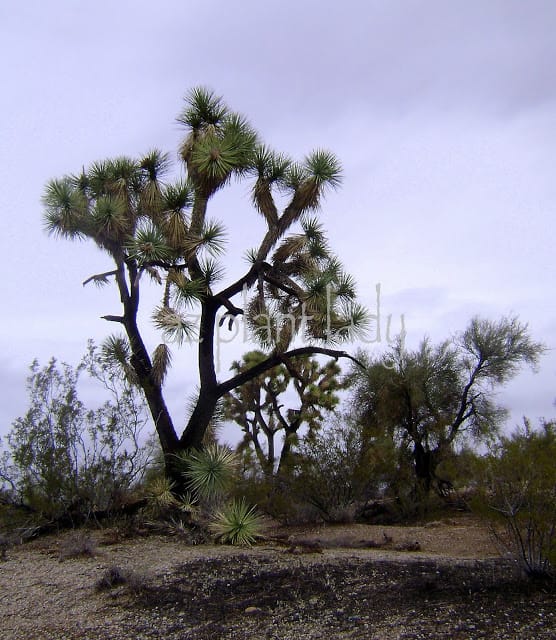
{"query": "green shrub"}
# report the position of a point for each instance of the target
(332, 474)
(278, 496)
(64, 461)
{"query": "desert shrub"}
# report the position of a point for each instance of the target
(64, 460)
(115, 576)
(519, 496)
(332, 473)
(112, 577)
(275, 496)
(4, 546)
(463, 470)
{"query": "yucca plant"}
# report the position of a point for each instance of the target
(237, 523)
(160, 495)
(209, 472)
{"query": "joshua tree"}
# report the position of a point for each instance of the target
(151, 227)
(258, 405)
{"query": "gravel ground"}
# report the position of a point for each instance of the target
(314, 584)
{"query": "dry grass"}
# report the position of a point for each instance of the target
(78, 544)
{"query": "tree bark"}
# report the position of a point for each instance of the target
(140, 359)
(208, 397)
(424, 471)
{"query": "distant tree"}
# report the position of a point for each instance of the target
(65, 459)
(150, 227)
(428, 399)
(259, 406)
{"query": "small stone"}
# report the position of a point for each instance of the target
(254, 611)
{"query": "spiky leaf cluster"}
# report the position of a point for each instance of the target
(209, 473)
(305, 291)
(237, 524)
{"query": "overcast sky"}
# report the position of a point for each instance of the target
(443, 114)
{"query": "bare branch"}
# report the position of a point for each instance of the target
(120, 319)
(232, 309)
(237, 287)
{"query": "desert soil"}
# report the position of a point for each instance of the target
(442, 580)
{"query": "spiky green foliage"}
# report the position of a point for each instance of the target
(323, 167)
(237, 524)
(115, 350)
(149, 245)
(177, 197)
(209, 472)
(220, 143)
(211, 271)
(187, 293)
(270, 165)
(160, 494)
(65, 207)
(211, 239)
(203, 109)
(156, 163)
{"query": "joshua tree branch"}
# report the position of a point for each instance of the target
(101, 278)
(120, 319)
(287, 285)
(276, 359)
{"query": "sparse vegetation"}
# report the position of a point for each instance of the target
(115, 576)
(4, 546)
(398, 449)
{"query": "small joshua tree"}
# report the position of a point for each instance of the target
(258, 405)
